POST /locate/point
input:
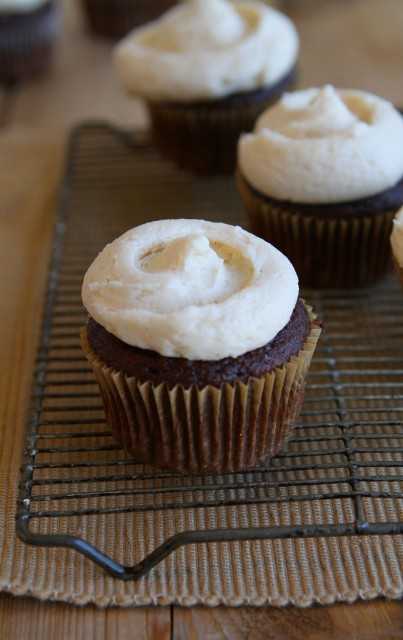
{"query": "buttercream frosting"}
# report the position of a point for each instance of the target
(205, 49)
(397, 237)
(20, 6)
(324, 146)
(191, 288)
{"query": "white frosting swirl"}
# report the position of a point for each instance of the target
(20, 6)
(191, 288)
(205, 49)
(396, 238)
(323, 146)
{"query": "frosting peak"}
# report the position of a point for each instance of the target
(205, 49)
(199, 272)
(183, 254)
(323, 114)
(203, 23)
(190, 288)
(323, 146)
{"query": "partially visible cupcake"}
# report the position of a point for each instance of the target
(396, 241)
(322, 178)
(207, 69)
(115, 18)
(200, 344)
(28, 29)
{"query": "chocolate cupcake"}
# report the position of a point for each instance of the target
(115, 18)
(322, 178)
(28, 29)
(199, 343)
(396, 241)
(206, 70)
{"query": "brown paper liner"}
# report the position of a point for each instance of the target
(398, 269)
(325, 251)
(235, 427)
(203, 137)
(115, 18)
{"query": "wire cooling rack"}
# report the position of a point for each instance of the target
(340, 475)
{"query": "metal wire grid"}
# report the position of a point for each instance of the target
(342, 472)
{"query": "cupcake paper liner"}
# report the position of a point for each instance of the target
(326, 251)
(115, 18)
(192, 430)
(202, 137)
(398, 269)
(26, 42)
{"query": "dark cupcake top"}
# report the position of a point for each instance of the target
(148, 366)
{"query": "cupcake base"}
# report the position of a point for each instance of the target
(202, 137)
(26, 42)
(235, 427)
(330, 247)
(398, 270)
(115, 18)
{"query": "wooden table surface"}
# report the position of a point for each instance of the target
(347, 42)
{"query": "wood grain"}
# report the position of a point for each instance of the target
(82, 84)
(26, 619)
(364, 621)
(351, 43)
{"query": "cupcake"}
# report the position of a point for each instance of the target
(396, 241)
(115, 18)
(200, 344)
(322, 178)
(206, 70)
(28, 29)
